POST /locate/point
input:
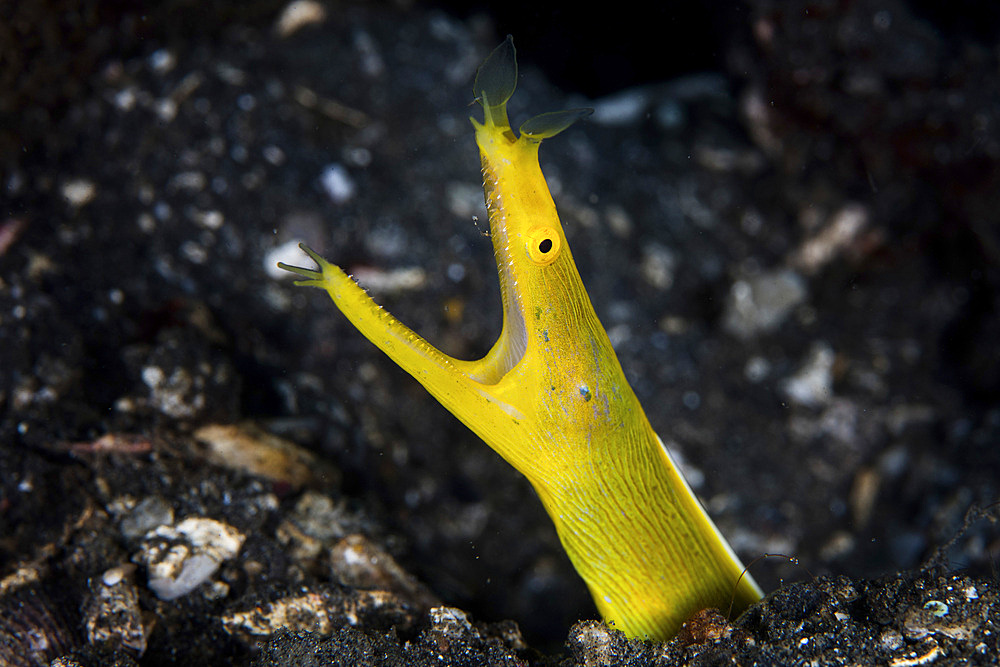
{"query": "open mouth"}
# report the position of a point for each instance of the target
(512, 344)
(514, 336)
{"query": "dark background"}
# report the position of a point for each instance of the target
(901, 120)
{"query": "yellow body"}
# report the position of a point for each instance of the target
(550, 397)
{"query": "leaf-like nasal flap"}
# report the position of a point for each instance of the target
(496, 78)
(550, 124)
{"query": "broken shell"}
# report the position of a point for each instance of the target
(358, 562)
(249, 448)
(112, 614)
(321, 610)
(180, 558)
(33, 629)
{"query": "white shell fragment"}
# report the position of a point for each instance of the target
(299, 14)
(289, 253)
(390, 282)
(182, 557)
(79, 191)
(832, 239)
(812, 383)
(760, 304)
(337, 183)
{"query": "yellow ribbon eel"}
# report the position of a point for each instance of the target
(550, 396)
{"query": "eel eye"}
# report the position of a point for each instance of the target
(543, 245)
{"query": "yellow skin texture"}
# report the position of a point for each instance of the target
(550, 397)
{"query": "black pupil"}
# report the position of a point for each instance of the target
(545, 246)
